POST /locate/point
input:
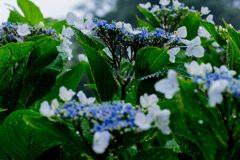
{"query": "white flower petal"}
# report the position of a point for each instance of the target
(101, 141)
(143, 121)
(164, 2)
(23, 30)
(210, 19)
(198, 51)
(71, 18)
(65, 94)
(145, 6)
(182, 32)
(147, 101)
(67, 32)
(46, 109)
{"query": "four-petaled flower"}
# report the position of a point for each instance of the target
(168, 86)
(176, 4)
(194, 47)
(164, 2)
(143, 121)
(148, 100)
(47, 110)
(66, 95)
(215, 92)
(101, 141)
(83, 99)
(145, 6)
(23, 30)
(205, 11)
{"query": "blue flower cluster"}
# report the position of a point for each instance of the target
(125, 37)
(116, 116)
(206, 80)
(8, 33)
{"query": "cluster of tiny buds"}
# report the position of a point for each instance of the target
(157, 74)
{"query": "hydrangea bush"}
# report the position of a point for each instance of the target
(166, 89)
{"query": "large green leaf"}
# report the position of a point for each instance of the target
(150, 60)
(193, 109)
(15, 17)
(233, 52)
(37, 85)
(70, 79)
(101, 73)
(149, 16)
(11, 53)
(11, 92)
(145, 24)
(87, 40)
(156, 153)
(22, 141)
(59, 132)
(192, 23)
(211, 28)
(44, 54)
(31, 12)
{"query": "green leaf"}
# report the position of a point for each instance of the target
(233, 52)
(59, 132)
(13, 89)
(2, 110)
(70, 79)
(155, 153)
(21, 141)
(31, 12)
(58, 26)
(11, 53)
(150, 17)
(193, 109)
(15, 17)
(36, 85)
(150, 60)
(59, 63)
(212, 30)
(36, 38)
(93, 86)
(86, 130)
(87, 40)
(44, 54)
(50, 21)
(101, 73)
(192, 23)
(145, 24)
(129, 139)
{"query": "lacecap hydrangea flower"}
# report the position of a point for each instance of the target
(108, 118)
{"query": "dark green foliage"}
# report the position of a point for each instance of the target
(22, 141)
(150, 60)
(155, 153)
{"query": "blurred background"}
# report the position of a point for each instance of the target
(119, 10)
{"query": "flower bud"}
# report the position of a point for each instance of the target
(41, 25)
